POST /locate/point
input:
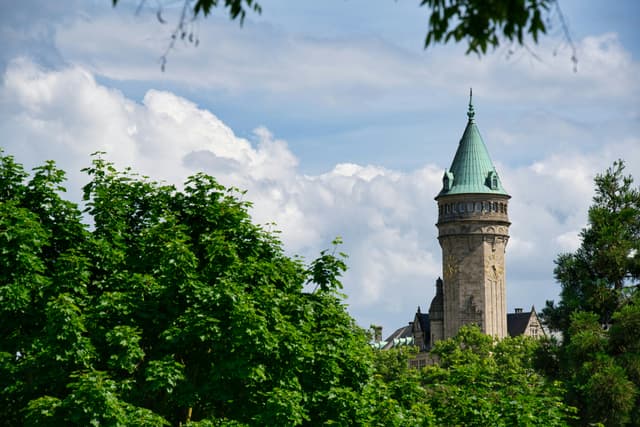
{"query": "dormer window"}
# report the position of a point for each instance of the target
(492, 180)
(447, 181)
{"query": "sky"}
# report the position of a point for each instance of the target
(336, 121)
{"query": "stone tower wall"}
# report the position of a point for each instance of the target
(437, 331)
(473, 233)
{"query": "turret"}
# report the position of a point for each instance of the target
(473, 229)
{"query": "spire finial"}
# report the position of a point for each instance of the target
(471, 113)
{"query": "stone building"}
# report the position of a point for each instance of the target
(473, 231)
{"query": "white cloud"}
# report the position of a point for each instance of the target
(65, 115)
(241, 60)
(562, 128)
(259, 57)
(569, 241)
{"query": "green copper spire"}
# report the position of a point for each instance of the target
(471, 113)
(471, 170)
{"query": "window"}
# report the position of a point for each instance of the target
(492, 180)
(447, 181)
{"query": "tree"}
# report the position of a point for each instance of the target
(480, 23)
(484, 23)
(599, 385)
(488, 382)
(599, 308)
(605, 270)
(400, 396)
(477, 381)
(172, 308)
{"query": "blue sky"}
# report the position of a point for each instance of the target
(336, 121)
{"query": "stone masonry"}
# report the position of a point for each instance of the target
(473, 234)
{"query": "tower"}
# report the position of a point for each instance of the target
(473, 228)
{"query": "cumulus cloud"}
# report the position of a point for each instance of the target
(555, 131)
(65, 115)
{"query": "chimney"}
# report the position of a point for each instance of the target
(377, 333)
(518, 310)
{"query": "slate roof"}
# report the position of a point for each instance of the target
(472, 168)
(425, 326)
(517, 323)
(400, 333)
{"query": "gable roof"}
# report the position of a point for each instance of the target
(517, 323)
(423, 321)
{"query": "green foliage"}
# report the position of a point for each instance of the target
(400, 398)
(174, 308)
(326, 269)
(477, 381)
(488, 382)
(483, 23)
(601, 367)
(601, 274)
(237, 8)
(599, 309)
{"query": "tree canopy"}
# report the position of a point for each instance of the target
(599, 309)
(604, 272)
(477, 381)
(172, 308)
